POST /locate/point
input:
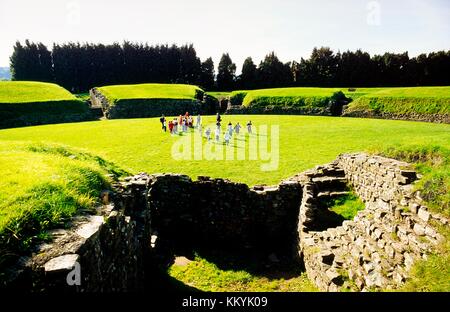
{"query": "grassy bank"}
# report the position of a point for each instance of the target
(25, 103)
(41, 187)
(422, 100)
(150, 91)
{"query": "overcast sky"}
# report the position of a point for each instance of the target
(243, 28)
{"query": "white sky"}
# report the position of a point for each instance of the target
(243, 28)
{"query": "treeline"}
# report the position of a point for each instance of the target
(79, 67)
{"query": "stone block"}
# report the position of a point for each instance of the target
(61, 263)
(423, 214)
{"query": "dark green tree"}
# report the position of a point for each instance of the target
(207, 74)
(32, 61)
(273, 73)
(226, 75)
(248, 78)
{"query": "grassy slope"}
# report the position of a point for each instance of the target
(42, 186)
(150, 91)
(30, 92)
(138, 144)
(289, 96)
(425, 100)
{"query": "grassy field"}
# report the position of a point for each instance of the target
(139, 145)
(150, 91)
(423, 100)
(32, 92)
(42, 184)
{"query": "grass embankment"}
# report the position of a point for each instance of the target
(24, 103)
(150, 91)
(32, 92)
(420, 100)
(153, 99)
(41, 187)
(292, 97)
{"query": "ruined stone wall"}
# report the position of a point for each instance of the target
(218, 213)
(437, 118)
(279, 110)
(156, 216)
(99, 253)
(378, 247)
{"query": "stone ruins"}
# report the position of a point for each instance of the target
(152, 217)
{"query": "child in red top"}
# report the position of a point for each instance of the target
(170, 126)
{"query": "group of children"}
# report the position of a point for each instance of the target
(186, 122)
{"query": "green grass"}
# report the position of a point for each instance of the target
(24, 103)
(42, 186)
(309, 97)
(361, 92)
(83, 96)
(207, 276)
(219, 95)
(347, 206)
(423, 100)
(32, 92)
(305, 141)
(150, 91)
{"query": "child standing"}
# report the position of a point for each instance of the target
(237, 128)
(227, 137)
(230, 129)
(249, 126)
(217, 134)
(208, 134)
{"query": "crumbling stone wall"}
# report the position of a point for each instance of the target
(154, 216)
(280, 110)
(218, 213)
(437, 118)
(378, 247)
(99, 253)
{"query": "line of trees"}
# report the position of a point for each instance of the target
(79, 67)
